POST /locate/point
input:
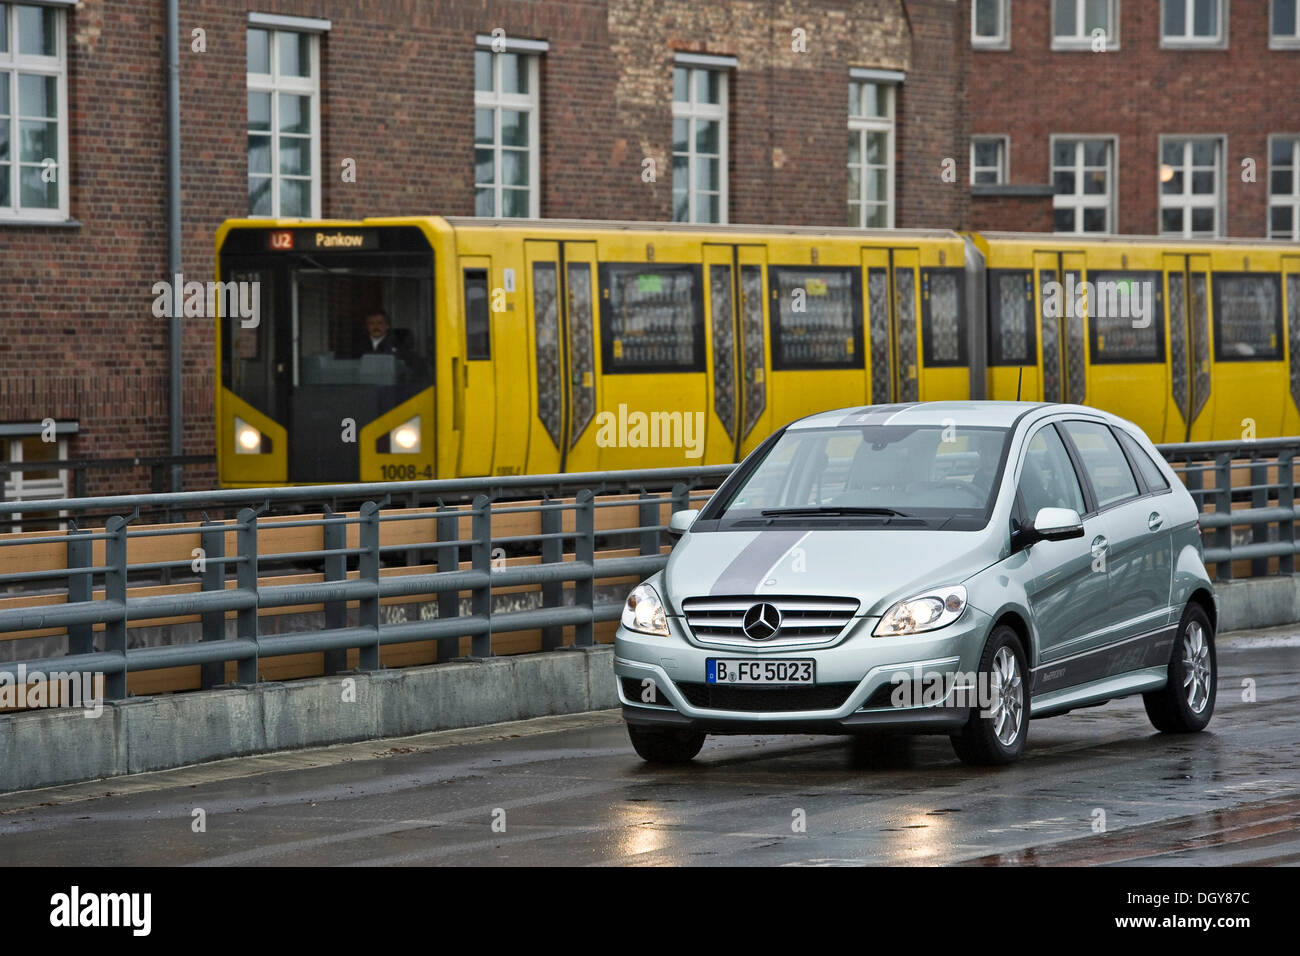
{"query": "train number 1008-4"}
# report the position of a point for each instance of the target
(405, 472)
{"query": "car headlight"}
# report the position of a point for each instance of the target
(924, 612)
(405, 438)
(248, 440)
(644, 612)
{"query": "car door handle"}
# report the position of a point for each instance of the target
(1154, 521)
(1099, 544)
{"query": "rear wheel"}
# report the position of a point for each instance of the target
(1186, 702)
(655, 745)
(996, 731)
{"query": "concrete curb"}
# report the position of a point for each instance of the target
(50, 747)
(1252, 603)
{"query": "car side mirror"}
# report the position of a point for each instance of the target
(681, 522)
(1057, 524)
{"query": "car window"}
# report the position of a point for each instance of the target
(1104, 462)
(1047, 479)
(1151, 473)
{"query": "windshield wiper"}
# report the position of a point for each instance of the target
(831, 510)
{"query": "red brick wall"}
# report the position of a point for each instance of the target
(1011, 213)
(78, 339)
(1137, 93)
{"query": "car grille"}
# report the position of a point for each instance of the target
(804, 620)
(766, 699)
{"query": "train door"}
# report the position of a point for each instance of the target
(580, 335)
(1058, 278)
(892, 322)
(1187, 295)
(546, 358)
(473, 374)
(755, 418)
(738, 350)
(1248, 346)
(944, 362)
(1291, 289)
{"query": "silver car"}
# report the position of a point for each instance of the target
(936, 568)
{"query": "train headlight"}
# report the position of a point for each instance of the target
(405, 438)
(248, 440)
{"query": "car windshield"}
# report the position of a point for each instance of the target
(902, 475)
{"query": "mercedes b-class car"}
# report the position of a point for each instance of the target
(949, 567)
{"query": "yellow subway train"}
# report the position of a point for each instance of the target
(438, 347)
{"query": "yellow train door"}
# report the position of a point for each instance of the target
(1291, 289)
(944, 360)
(581, 338)
(738, 359)
(1062, 328)
(545, 371)
(755, 419)
(1191, 415)
(473, 372)
(893, 321)
(1248, 346)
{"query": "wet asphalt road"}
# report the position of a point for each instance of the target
(569, 791)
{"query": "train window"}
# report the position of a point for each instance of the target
(878, 297)
(478, 340)
(817, 317)
(651, 318)
(1151, 475)
(943, 317)
(751, 324)
(1126, 317)
(1247, 317)
(546, 324)
(1012, 338)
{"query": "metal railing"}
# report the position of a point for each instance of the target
(479, 540)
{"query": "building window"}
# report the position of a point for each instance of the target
(990, 24)
(988, 160)
(506, 154)
(871, 155)
(1284, 188)
(32, 484)
(1083, 174)
(33, 113)
(1190, 191)
(699, 144)
(1284, 30)
(1192, 23)
(283, 123)
(1074, 23)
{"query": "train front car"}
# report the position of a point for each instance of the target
(325, 346)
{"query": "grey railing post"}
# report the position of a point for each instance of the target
(584, 552)
(1223, 505)
(335, 538)
(369, 566)
(246, 577)
(1286, 499)
(552, 591)
(448, 560)
(81, 587)
(115, 590)
(648, 517)
(681, 497)
(1258, 499)
(481, 559)
(212, 539)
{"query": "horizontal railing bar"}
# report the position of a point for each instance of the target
(60, 615)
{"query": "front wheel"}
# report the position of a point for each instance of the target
(996, 731)
(655, 745)
(1186, 702)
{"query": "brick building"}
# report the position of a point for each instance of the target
(1175, 117)
(632, 109)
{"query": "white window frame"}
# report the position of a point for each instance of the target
(1002, 41)
(861, 126)
(15, 486)
(1217, 42)
(1293, 200)
(1003, 168)
(13, 63)
(529, 103)
(713, 112)
(1079, 200)
(1281, 42)
(1185, 200)
(274, 84)
(1080, 40)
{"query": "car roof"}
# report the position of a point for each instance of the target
(967, 413)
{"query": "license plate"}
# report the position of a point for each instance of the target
(746, 671)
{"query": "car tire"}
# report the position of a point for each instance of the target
(1186, 703)
(655, 745)
(997, 735)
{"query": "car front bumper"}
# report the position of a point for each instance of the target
(864, 667)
